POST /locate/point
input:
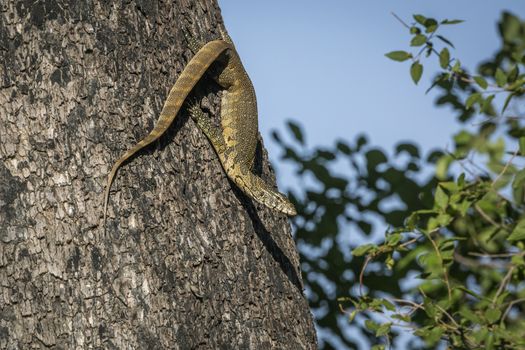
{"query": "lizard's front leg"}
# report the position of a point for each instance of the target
(193, 43)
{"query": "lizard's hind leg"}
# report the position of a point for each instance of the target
(240, 173)
(212, 132)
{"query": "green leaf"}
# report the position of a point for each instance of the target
(416, 70)
(492, 315)
(422, 332)
(481, 82)
(384, 329)
(501, 77)
(363, 249)
(378, 347)
(402, 317)
(445, 40)
(463, 207)
(463, 140)
(431, 25)
(442, 166)
(418, 40)
(371, 325)
(441, 220)
(361, 141)
(429, 308)
(432, 28)
(461, 180)
(469, 315)
(409, 148)
(376, 304)
(522, 145)
(444, 58)
(388, 305)
(507, 101)
(517, 56)
(399, 56)
(344, 148)
(513, 74)
(277, 137)
(393, 239)
(468, 291)
(518, 233)
(324, 154)
(453, 21)
(434, 335)
(352, 316)
(456, 68)
(518, 84)
(518, 260)
(518, 185)
(487, 103)
(420, 19)
(472, 99)
(441, 198)
(415, 30)
(296, 131)
(510, 27)
(389, 262)
(375, 157)
(447, 245)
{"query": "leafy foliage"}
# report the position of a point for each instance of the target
(450, 268)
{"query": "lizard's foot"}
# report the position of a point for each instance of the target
(263, 193)
(197, 114)
(225, 36)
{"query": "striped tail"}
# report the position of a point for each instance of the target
(191, 74)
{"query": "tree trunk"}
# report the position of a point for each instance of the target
(187, 261)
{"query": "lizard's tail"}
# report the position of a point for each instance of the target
(191, 74)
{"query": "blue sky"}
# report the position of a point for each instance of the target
(322, 64)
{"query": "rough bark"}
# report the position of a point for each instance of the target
(187, 260)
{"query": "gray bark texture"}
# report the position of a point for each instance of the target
(187, 260)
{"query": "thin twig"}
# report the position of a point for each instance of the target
(473, 164)
(472, 263)
(424, 47)
(400, 20)
(470, 343)
(413, 240)
(498, 119)
(505, 167)
(361, 274)
(503, 284)
(502, 255)
(414, 307)
(448, 315)
(445, 272)
(488, 218)
(511, 304)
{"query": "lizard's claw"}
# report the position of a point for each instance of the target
(193, 43)
(194, 109)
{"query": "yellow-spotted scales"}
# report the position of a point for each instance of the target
(235, 140)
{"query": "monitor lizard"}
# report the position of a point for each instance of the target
(235, 141)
